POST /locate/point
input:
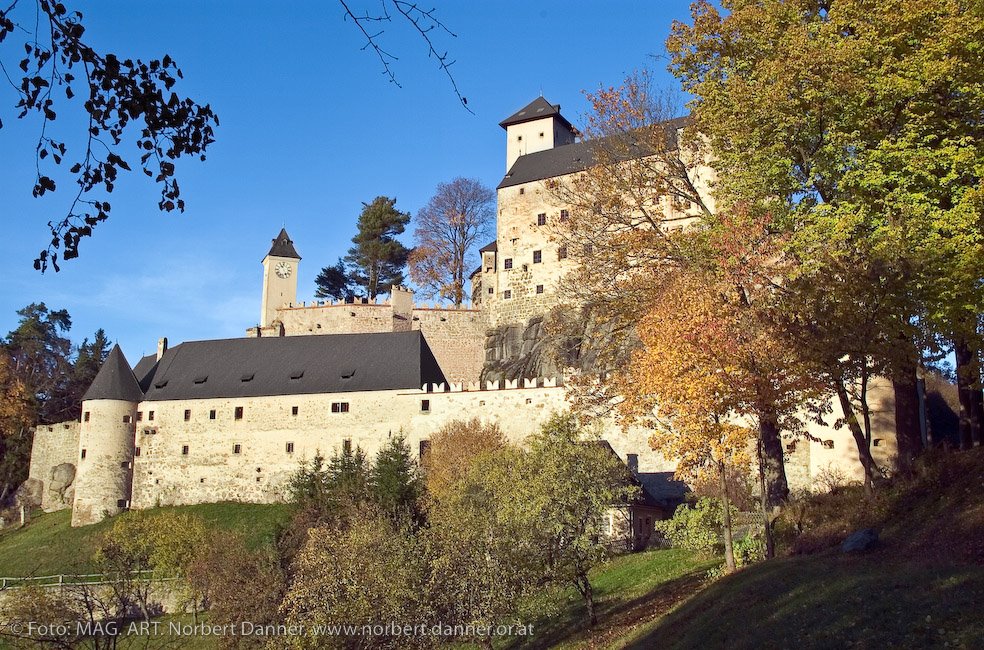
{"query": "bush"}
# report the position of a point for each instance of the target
(698, 528)
(748, 550)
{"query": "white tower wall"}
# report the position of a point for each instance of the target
(105, 473)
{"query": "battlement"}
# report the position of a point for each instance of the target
(509, 384)
(365, 302)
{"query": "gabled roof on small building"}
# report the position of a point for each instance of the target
(294, 365)
(493, 246)
(535, 110)
(283, 246)
(115, 380)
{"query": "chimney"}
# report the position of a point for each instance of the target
(161, 347)
(632, 460)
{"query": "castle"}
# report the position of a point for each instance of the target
(233, 419)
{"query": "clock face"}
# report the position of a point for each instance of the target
(283, 269)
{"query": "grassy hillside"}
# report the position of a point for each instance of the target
(828, 601)
(48, 545)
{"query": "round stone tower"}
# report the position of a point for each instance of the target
(106, 437)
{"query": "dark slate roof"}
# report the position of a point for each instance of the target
(535, 110)
(144, 370)
(494, 246)
(571, 158)
(283, 246)
(114, 380)
(477, 270)
(663, 487)
(294, 365)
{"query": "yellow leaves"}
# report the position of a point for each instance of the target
(16, 410)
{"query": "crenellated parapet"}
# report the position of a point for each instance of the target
(509, 384)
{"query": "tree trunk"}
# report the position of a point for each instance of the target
(729, 543)
(969, 391)
(773, 465)
(908, 431)
(583, 585)
(864, 448)
(767, 521)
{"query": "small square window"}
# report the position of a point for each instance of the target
(259, 478)
(184, 450)
(877, 442)
(507, 263)
(425, 405)
(522, 190)
(157, 481)
(564, 215)
(187, 414)
(541, 219)
(211, 414)
(239, 413)
(136, 452)
(121, 503)
(85, 417)
(293, 410)
(201, 480)
(491, 291)
(519, 138)
(507, 294)
(237, 449)
(539, 288)
(126, 418)
(537, 257)
(562, 252)
(83, 454)
(290, 448)
(139, 416)
(339, 407)
(541, 134)
(150, 416)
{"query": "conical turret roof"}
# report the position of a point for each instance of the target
(283, 246)
(115, 380)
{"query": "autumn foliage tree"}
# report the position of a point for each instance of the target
(640, 217)
(858, 127)
(459, 216)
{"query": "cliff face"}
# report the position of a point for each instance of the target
(547, 346)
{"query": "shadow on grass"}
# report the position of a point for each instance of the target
(571, 623)
(830, 601)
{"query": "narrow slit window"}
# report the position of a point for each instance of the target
(290, 448)
(237, 449)
(184, 450)
(239, 412)
(211, 414)
(537, 257)
(425, 405)
(541, 219)
(187, 414)
(293, 410)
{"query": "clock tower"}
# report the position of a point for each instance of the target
(279, 277)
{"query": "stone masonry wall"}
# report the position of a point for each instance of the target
(455, 336)
(54, 445)
(213, 469)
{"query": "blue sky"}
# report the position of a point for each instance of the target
(310, 128)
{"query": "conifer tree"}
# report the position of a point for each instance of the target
(377, 259)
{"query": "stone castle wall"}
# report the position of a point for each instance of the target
(55, 445)
(515, 298)
(214, 469)
(455, 336)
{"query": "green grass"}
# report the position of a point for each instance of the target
(48, 545)
(626, 588)
(828, 601)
